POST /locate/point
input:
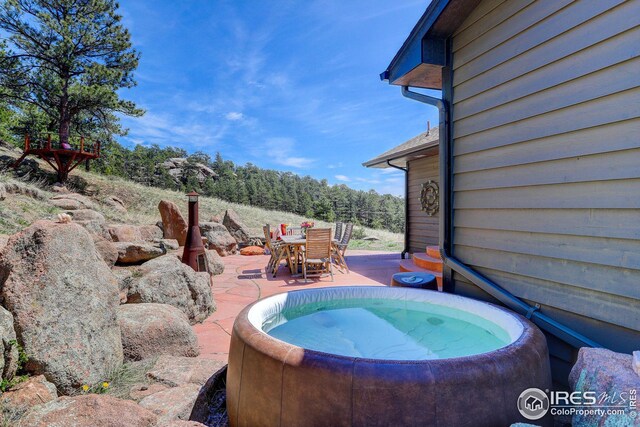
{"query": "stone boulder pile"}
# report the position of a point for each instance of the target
(81, 297)
(166, 280)
(218, 238)
(150, 330)
(63, 298)
(224, 233)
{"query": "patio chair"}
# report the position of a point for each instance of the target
(338, 235)
(278, 251)
(339, 249)
(317, 253)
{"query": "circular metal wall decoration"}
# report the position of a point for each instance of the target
(430, 197)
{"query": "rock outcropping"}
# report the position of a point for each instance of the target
(92, 410)
(235, 226)
(137, 252)
(219, 238)
(173, 223)
(166, 280)
(150, 330)
(24, 396)
(134, 233)
(177, 168)
(63, 298)
(604, 371)
(72, 201)
(8, 346)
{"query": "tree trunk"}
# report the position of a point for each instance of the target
(63, 109)
(63, 131)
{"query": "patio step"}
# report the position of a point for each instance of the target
(407, 265)
(427, 262)
(433, 251)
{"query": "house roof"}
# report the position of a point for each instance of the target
(416, 147)
(419, 61)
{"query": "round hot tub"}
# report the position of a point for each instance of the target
(368, 356)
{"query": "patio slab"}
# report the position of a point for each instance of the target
(245, 281)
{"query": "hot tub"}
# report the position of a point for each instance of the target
(368, 356)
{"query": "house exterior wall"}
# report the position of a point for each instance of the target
(423, 229)
(546, 161)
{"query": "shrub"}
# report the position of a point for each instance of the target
(358, 233)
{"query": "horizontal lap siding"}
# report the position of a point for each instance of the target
(546, 129)
(423, 229)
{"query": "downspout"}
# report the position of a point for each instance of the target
(453, 264)
(406, 208)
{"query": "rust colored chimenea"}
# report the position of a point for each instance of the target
(194, 255)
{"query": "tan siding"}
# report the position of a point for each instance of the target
(423, 229)
(501, 40)
(622, 194)
(476, 25)
(617, 165)
(602, 111)
(599, 56)
(617, 21)
(618, 223)
(481, 11)
(619, 78)
(583, 142)
(546, 108)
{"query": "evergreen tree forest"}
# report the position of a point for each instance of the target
(250, 184)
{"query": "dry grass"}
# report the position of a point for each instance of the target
(24, 204)
(20, 210)
(146, 199)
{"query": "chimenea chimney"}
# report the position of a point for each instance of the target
(194, 255)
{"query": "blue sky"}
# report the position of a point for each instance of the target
(288, 85)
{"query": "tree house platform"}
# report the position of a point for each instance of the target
(62, 160)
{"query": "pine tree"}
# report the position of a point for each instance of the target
(68, 59)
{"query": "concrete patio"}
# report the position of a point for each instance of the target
(245, 281)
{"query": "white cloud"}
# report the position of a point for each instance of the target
(296, 162)
(282, 150)
(167, 129)
(394, 180)
(390, 171)
(234, 116)
(343, 178)
(368, 181)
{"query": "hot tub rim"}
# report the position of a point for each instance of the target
(284, 351)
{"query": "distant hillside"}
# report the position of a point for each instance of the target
(173, 168)
(27, 201)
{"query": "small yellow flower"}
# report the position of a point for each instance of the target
(85, 387)
(105, 385)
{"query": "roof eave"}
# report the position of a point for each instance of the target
(399, 155)
(419, 61)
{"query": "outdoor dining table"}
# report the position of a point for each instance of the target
(295, 243)
(294, 246)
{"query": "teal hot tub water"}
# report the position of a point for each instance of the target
(386, 329)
